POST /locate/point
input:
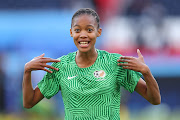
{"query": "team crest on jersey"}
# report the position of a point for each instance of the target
(99, 74)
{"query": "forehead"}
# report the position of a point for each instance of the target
(84, 20)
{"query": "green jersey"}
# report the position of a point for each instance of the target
(91, 93)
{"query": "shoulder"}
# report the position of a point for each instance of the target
(109, 56)
(65, 59)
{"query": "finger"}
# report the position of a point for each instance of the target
(127, 67)
(48, 66)
(42, 55)
(46, 60)
(126, 57)
(47, 70)
(123, 60)
(139, 53)
(123, 64)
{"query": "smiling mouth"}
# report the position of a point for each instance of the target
(84, 43)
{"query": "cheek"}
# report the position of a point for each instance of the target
(75, 37)
(93, 36)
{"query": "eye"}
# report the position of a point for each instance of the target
(77, 30)
(90, 30)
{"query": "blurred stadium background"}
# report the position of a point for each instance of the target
(29, 28)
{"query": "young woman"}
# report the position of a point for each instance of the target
(89, 79)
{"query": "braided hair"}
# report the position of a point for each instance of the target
(87, 11)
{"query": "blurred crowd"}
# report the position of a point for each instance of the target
(29, 28)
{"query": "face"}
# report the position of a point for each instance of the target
(84, 32)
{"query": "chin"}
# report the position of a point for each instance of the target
(84, 50)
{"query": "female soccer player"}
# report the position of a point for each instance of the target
(89, 79)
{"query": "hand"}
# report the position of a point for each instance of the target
(39, 63)
(133, 63)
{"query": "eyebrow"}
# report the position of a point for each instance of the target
(87, 25)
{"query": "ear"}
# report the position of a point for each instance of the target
(71, 32)
(99, 32)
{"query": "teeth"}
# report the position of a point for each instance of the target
(83, 42)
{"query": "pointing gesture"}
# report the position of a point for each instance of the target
(133, 63)
(39, 63)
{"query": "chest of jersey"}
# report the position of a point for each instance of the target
(99, 79)
(90, 93)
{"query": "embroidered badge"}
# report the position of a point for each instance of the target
(99, 74)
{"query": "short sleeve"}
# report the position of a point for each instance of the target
(50, 84)
(126, 78)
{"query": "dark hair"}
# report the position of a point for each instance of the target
(87, 11)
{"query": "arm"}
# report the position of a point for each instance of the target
(149, 88)
(32, 96)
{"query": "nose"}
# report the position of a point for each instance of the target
(83, 35)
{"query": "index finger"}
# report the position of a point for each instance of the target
(46, 60)
(125, 57)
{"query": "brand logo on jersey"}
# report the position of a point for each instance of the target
(99, 74)
(71, 77)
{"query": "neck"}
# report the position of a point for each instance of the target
(86, 55)
(86, 59)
